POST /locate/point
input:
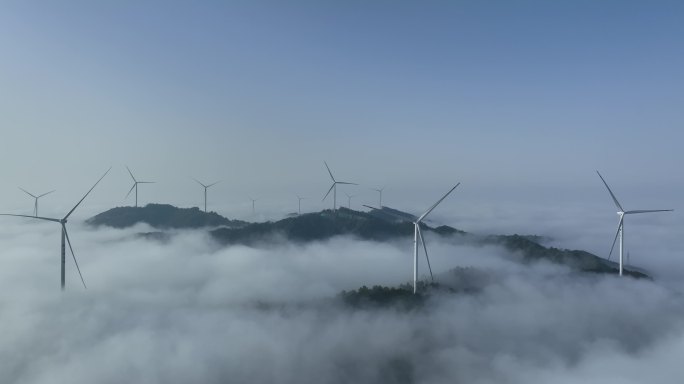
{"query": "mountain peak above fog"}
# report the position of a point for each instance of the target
(383, 224)
(161, 216)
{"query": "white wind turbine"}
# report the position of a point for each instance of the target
(299, 209)
(205, 191)
(253, 201)
(621, 223)
(417, 234)
(380, 192)
(65, 235)
(135, 185)
(35, 204)
(333, 187)
(349, 197)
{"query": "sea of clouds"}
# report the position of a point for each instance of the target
(190, 310)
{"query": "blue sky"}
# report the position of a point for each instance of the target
(519, 100)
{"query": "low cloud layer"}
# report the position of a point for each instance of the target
(189, 310)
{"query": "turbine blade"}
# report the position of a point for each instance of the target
(616, 237)
(344, 182)
(199, 182)
(131, 190)
(212, 184)
(47, 193)
(86, 195)
(146, 182)
(649, 211)
(326, 195)
(73, 255)
(328, 168)
(131, 173)
(436, 204)
(368, 206)
(420, 235)
(615, 200)
(27, 192)
(32, 217)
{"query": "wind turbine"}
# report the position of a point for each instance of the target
(205, 191)
(621, 223)
(135, 185)
(418, 234)
(35, 205)
(299, 210)
(253, 201)
(63, 222)
(349, 197)
(379, 191)
(333, 187)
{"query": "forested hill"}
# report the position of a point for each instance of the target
(376, 225)
(162, 216)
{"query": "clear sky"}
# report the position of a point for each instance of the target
(513, 98)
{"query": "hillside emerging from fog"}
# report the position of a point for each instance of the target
(161, 216)
(376, 225)
(324, 225)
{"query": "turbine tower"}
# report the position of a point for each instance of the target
(35, 204)
(380, 192)
(65, 235)
(417, 234)
(135, 185)
(253, 201)
(333, 187)
(205, 191)
(621, 223)
(349, 197)
(299, 210)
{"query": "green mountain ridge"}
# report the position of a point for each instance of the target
(376, 225)
(323, 225)
(161, 216)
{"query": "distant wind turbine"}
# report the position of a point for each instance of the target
(621, 223)
(380, 191)
(299, 210)
(63, 222)
(205, 191)
(253, 201)
(135, 185)
(417, 234)
(333, 187)
(349, 197)
(35, 204)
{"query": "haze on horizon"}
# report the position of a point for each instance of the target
(529, 98)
